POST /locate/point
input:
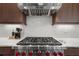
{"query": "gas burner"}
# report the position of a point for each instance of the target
(39, 41)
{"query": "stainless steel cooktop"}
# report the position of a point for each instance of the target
(39, 41)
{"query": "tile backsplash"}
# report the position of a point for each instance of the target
(6, 29)
(42, 26)
(38, 26)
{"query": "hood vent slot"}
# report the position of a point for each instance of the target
(39, 12)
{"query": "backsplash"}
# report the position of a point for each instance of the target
(6, 29)
(41, 26)
(38, 26)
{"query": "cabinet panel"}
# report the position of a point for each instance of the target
(54, 18)
(10, 13)
(68, 13)
(65, 13)
(75, 12)
(6, 51)
(72, 51)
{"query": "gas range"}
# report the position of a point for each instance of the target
(39, 41)
(39, 46)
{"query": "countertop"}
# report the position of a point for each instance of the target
(67, 42)
(4, 41)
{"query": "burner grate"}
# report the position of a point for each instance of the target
(39, 41)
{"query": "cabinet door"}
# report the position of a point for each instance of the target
(6, 51)
(71, 51)
(65, 13)
(75, 13)
(10, 13)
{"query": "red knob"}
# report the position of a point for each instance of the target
(60, 54)
(47, 53)
(23, 53)
(17, 53)
(54, 54)
(39, 53)
(30, 53)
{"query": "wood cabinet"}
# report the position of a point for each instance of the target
(75, 12)
(6, 51)
(54, 18)
(10, 14)
(68, 13)
(71, 51)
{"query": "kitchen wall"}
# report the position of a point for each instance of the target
(38, 26)
(6, 29)
(41, 26)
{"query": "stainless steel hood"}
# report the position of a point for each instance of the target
(39, 8)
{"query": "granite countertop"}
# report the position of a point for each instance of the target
(4, 41)
(67, 42)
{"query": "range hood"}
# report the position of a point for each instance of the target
(39, 8)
